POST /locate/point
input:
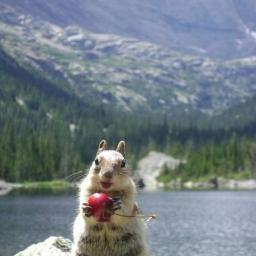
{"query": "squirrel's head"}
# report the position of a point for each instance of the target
(109, 169)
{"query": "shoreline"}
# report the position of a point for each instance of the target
(214, 184)
(37, 187)
(64, 187)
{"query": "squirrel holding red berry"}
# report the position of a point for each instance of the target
(106, 224)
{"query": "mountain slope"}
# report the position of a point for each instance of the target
(126, 74)
(241, 115)
(219, 29)
(47, 131)
(42, 125)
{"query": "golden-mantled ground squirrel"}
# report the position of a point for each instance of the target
(120, 236)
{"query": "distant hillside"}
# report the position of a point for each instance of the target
(241, 115)
(48, 132)
(63, 88)
(126, 74)
(42, 125)
(213, 28)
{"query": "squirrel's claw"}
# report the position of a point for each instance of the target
(117, 204)
(87, 210)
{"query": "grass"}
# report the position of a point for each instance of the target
(45, 187)
(243, 175)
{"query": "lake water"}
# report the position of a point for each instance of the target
(188, 223)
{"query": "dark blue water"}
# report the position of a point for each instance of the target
(188, 223)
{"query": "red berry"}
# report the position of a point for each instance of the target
(99, 203)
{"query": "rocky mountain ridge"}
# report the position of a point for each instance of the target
(213, 28)
(129, 74)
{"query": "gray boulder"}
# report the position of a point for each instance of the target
(150, 167)
(52, 246)
(5, 187)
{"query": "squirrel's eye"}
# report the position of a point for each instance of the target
(96, 161)
(123, 163)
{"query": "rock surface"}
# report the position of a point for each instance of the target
(151, 166)
(52, 246)
(6, 187)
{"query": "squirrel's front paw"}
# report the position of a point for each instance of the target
(117, 204)
(87, 210)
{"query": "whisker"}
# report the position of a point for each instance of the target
(79, 174)
(80, 177)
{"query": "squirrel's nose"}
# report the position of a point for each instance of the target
(108, 174)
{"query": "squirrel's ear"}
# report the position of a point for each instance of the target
(102, 146)
(121, 148)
